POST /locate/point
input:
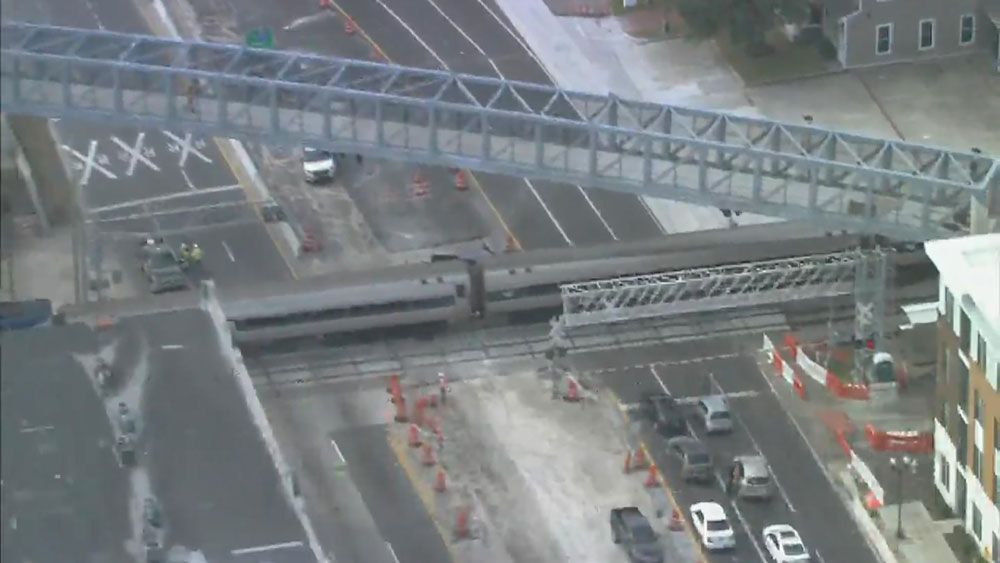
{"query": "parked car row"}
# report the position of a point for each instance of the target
(743, 476)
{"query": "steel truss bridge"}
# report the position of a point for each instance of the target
(430, 117)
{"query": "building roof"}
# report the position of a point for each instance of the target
(970, 266)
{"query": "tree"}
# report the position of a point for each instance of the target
(746, 21)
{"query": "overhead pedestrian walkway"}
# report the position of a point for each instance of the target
(431, 117)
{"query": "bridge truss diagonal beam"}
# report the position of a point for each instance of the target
(709, 289)
(437, 118)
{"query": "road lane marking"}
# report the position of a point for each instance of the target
(172, 347)
(229, 251)
(756, 446)
(652, 369)
(819, 556)
(187, 180)
(407, 27)
(135, 153)
(33, 429)
(340, 455)
(89, 163)
(739, 516)
(266, 548)
(501, 75)
(185, 147)
(548, 211)
(392, 552)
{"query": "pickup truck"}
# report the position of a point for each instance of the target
(631, 529)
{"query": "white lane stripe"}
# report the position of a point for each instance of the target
(407, 27)
(548, 212)
(135, 153)
(32, 429)
(264, 548)
(518, 39)
(392, 552)
(445, 66)
(756, 446)
(819, 556)
(336, 450)
(229, 251)
(501, 75)
(659, 380)
(172, 347)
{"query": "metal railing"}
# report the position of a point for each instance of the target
(438, 118)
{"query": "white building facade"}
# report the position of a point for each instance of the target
(967, 417)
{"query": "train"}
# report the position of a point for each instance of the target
(492, 289)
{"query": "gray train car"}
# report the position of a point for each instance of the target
(390, 298)
(520, 283)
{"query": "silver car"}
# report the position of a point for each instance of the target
(714, 413)
(750, 477)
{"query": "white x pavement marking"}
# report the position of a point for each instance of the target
(184, 145)
(135, 152)
(88, 163)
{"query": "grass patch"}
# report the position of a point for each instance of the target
(788, 60)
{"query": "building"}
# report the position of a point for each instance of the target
(967, 417)
(874, 32)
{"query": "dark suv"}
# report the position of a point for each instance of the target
(665, 414)
(631, 529)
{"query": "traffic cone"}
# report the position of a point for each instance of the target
(419, 185)
(394, 388)
(413, 436)
(418, 411)
(460, 183)
(309, 241)
(461, 523)
(439, 481)
(349, 27)
(675, 521)
(325, 4)
(639, 460)
(400, 409)
(652, 479)
(378, 55)
(427, 455)
(572, 390)
(511, 244)
(799, 387)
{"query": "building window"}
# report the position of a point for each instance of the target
(962, 442)
(996, 433)
(926, 34)
(883, 39)
(944, 470)
(977, 464)
(981, 352)
(963, 384)
(965, 333)
(977, 521)
(949, 309)
(977, 407)
(967, 30)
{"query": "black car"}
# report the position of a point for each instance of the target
(631, 529)
(665, 414)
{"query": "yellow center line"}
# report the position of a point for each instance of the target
(663, 482)
(475, 181)
(243, 177)
(424, 492)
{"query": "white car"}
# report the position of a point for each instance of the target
(318, 165)
(713, 527)
(784, 544)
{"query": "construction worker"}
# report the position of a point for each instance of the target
(184, 253)
(192, 92)
(196, 253)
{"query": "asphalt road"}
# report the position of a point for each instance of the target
(805, 498)
(470, 37)
(117, 165)
(360, 500)
(64, 497)
(220, 492)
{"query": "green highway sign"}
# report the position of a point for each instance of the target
(260, 38)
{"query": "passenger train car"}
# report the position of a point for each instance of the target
(496, 288)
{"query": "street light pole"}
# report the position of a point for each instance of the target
(900, 465)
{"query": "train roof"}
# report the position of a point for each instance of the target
(381, 285)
